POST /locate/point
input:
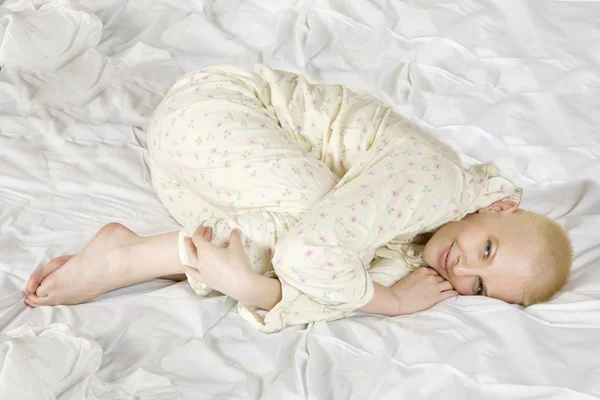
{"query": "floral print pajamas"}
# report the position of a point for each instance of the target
(328, 186)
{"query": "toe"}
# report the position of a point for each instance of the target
(38, 276)
(32, 301)
(45, 287)
(33, 283)
(35, 301)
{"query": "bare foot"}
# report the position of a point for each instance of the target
(38, 276)
(101, 267)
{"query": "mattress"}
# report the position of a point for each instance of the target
(516, 84)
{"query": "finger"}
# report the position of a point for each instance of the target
(444, 286)
(199, 230)
(448, 294)
(191, 250)
(198, 237)
(208, 234)
(235, 241)
(422, 271)
(193, 272)
(427, 271)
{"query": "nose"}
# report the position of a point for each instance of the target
(460, 270)
(463, 267)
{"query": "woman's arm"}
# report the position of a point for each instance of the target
(234, 277)
(228, 270)
(417, 291)
(262, 292)
(383, 302)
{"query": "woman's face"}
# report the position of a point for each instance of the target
(484, 254)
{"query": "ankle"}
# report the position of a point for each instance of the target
(121, 262)
(150, 257)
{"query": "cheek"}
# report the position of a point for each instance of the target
(429, 253)
(462, 285)
(442, 238)
(451, 229)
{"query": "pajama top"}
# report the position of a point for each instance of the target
(328, 186)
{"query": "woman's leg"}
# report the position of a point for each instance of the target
(116, 257)
(218, 157)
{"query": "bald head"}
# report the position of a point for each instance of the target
(551, 256)
(502, 252)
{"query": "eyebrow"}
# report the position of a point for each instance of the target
(493, 239)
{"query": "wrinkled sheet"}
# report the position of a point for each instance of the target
(57, 361)
(515, 84)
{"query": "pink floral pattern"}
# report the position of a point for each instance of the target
(265, 165)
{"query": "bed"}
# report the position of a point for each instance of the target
(511, 82)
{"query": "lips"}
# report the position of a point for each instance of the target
(444, 258)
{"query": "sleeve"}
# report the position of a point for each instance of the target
(401, 187)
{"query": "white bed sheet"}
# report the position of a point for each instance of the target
(512, 82)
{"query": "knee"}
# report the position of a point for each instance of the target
(332, 276)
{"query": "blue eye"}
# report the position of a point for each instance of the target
(479, 291)
(487, 249)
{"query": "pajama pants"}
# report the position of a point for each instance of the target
(318, 179)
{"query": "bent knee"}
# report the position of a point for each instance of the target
(330, 276)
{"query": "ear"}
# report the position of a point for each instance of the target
(500, 207)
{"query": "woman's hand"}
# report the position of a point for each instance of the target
(225, 269)
(420, 290)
